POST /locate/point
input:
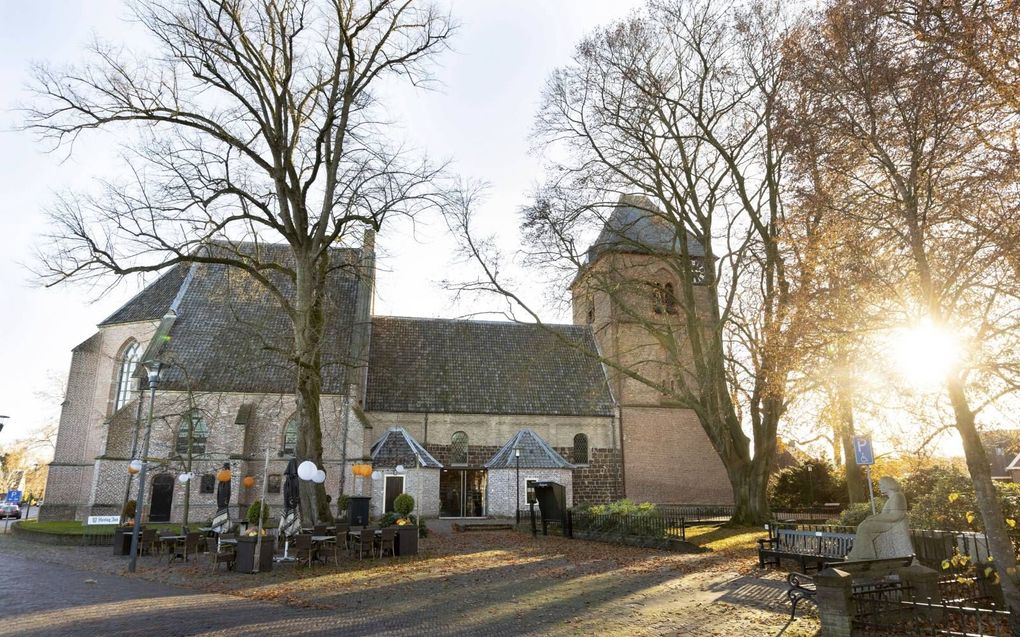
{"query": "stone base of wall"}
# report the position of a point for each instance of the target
(54, 512)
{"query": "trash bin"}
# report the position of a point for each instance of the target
(357, 510)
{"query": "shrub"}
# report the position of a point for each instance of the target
(403, 504)
(252, 516)
(341, 505)
(624, 517)
(128, 512)
(855, 513)
(813, 482)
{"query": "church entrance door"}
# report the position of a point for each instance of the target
(162, 498)
(462, 493)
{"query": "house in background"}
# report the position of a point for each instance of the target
(444, 400)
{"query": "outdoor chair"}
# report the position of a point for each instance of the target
(147, 541)
(361, 541)
(387, 542)
(319, 529)
(226, 555)
(341, 534)
(303, 549)
(341, 542)
(184, 548)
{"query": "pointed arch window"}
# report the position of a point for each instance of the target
(663, 298)
(290, 433)
(459, 448)
(125, 375)
(580, 452)
(193, 426)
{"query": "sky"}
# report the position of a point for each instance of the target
(479, 118)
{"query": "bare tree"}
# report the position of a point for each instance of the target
(675, 108)
(253, 120)
(924, 154)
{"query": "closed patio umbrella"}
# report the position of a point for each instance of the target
(291, 486)
(223, 490)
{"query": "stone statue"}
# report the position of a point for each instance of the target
(884, 534)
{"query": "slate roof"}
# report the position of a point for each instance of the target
(399, 447)
(535, 454)
(153, 301)
(455, 366)
(230, 334)
(634, 229)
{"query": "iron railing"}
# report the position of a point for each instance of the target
(655, 524)
(885, 611)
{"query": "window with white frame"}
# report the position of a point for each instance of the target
(125, 375)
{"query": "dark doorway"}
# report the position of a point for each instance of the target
(162, 498)
(394, 487)
(462, 493)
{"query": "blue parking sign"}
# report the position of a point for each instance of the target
(864, 454)
(14, 496)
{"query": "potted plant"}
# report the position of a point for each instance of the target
(247, 543)
(407, 530)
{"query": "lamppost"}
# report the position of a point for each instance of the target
(152, 368)
(517, 457)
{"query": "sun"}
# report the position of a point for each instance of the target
(925, 354)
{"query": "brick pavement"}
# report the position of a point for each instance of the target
(473, 586)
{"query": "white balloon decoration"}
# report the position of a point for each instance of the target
(184, 477)
(319, 477)
(376, 475)
(306, 470)
(400, 468)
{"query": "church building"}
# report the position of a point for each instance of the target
(445, 410)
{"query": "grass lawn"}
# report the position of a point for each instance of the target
(725, 539)
(75, 527)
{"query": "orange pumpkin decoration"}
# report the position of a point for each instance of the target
(223, 475)
(248, 482)
(363, 470)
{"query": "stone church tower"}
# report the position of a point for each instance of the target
(626, 292)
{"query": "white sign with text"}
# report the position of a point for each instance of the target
(104, 519)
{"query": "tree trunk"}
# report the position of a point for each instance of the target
(308, 334)
(999, 544)
(750, 495)
(845, 414)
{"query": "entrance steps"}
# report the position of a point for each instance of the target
(482, 525)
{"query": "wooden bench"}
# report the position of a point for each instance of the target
(803, 587)
(807, 548)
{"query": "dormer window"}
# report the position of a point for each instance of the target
(125, 376)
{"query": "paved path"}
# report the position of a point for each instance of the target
(483, 587)
(39, 598)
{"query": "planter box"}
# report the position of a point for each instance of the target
(246, 554)
(122, 540)
(407, 540)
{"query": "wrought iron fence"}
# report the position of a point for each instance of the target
(654, 524)
(884, 611)
(698, 514)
